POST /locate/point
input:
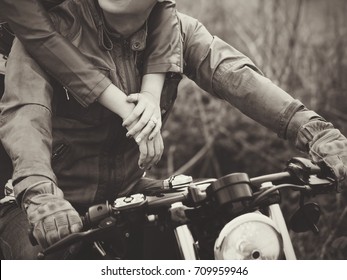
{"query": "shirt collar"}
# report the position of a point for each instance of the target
(137, 41)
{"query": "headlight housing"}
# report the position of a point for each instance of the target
(249, 236)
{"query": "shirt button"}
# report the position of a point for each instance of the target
(136, 45)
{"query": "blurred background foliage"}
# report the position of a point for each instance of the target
(301, 45)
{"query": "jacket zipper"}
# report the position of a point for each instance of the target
(59, 151)
(131, 86)
(66, 93)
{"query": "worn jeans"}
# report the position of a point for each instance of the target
(14, 237)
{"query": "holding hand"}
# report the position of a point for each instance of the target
(145, 120)
(150, 151)
(326, 144)
(144, 124)
(51, 216)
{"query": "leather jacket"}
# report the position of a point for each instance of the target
(31, 24)
(91, 158)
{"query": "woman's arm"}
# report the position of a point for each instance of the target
(164, 43)
(151, 148)
(31, 24)
(162, 54)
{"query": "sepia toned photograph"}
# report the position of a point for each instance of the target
(173, 130)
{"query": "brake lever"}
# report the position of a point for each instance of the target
(318, 177)
(322, 185)
(78, 236)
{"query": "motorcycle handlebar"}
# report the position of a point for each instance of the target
(66, 241)
(257, 181)
(298, 169)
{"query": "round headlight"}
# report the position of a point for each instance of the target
(249, 236)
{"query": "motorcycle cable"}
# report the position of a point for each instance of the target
(266, 192)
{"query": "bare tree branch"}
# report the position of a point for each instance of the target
(195, 159)
(292, 41)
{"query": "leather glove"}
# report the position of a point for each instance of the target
(325, 144)
(51, 216)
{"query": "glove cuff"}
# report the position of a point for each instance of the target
(308, 131)
(41, 188)
(302, 126)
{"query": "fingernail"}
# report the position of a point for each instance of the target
(138, 139)
(150, 138)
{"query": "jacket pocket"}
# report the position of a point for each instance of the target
(66, 106)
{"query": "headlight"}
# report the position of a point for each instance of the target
(249, 236)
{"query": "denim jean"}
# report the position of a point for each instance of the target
(14, 238)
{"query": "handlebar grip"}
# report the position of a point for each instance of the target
(33, 241)
(302, 167)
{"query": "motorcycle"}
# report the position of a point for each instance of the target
(232, 217)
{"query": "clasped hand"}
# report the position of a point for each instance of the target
(144, 124)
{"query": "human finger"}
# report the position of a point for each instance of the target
(141, 124)
(134, 115)
(151, 124)
(159, 149)
(133, 98)
(150, 155)
(143, 154)
(155, 150)
(155, 130)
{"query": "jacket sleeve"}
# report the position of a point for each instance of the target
(164, 44)
(31, 24)
(25, 119)
(228, 74)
